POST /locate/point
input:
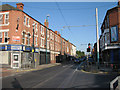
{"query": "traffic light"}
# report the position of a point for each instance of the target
(89, 47)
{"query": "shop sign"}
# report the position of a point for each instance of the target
(16, 38)
(36, 49)
(2, 47)
(14, 47)
(27, 48)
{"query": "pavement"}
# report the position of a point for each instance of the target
(5, 72)
(93, 68)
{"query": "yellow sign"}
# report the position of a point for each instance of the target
(35, 60)
(32, 50)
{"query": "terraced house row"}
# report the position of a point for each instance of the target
(16, 39)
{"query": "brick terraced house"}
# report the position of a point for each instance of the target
(110, 37)
(16, 39)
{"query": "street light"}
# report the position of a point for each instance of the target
(33, 44)
(46, 35)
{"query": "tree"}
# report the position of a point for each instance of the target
(80, 53)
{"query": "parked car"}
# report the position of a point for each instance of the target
(76, 61)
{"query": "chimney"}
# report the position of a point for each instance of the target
(20, 6)
(46, 23)
(56, 32)
(118, 2)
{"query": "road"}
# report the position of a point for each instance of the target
(63, 76)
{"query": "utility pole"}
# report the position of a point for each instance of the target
(97, 37)
(33, 45)
(61, 44)
(46, 36)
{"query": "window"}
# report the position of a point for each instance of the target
(6, 18)
(36, 41)
(47, 33)
(0, 37)
(5, 37)
(48, 45)
(36, 26)
(108, 20)
(42, 30)
(28, 39)
(23, 38)
(1, 19)
(41, 42)
(25, 20)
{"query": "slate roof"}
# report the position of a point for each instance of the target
(6, 7)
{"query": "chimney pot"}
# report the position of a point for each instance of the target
(20, 6)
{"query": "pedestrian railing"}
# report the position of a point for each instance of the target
(114, 82)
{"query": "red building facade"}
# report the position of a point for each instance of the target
(16, 39)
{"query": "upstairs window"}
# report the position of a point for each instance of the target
(6, 18)
(0, 37)
(36, 27)
(36, 41)
(25, 20)
(5, 37)
(1, 19)
(23, 38)
(42, 30)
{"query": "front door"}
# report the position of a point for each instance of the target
(15, 61)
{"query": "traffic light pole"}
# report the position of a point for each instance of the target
(97, 37)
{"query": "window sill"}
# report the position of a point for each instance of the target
(4, 24)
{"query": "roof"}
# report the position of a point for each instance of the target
(6, 7)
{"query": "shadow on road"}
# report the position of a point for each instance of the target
(16, 84)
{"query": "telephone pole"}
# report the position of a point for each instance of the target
(46, 35)
(97, 37)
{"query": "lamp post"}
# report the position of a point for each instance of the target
(33, 45)
(46, 35)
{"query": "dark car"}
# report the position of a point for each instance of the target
(76, 61)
